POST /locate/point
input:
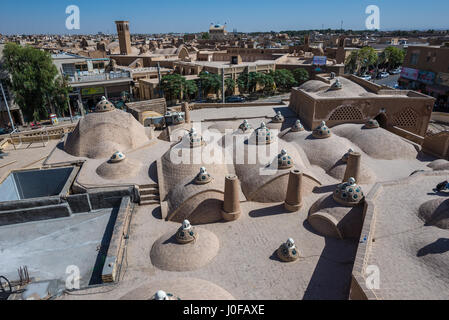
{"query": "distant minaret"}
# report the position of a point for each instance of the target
(124, 37)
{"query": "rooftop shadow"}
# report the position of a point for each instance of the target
(157, 213)
(270, 211)
(325, 189)
(152, 172)
(103, 250)
(438, 247)
(327, 281)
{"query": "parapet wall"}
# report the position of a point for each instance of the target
(437, 144)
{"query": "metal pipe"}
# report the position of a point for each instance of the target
(223, 85)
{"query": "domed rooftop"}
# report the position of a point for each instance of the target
(284, 160)
(322, 132)
(184, 288)
(349, 193)
(440, 164)
(376, 143)
(372, 124)
(348, 89)
(297, 127)
(121, 169)
(104, 106)
(203, 177)
(313, 86)
(245, 126)
(99, 135)
(435, 213)
(167, 254)
(278, 118)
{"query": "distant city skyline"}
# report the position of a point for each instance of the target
(176, 16)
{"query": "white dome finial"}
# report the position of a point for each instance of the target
(290, 243)
(186, 225)
(351, 181)
(161, 295)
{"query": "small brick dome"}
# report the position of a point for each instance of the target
(297, 127)
(322, 132)
(372, 124)
(284, 160)
(117, 157)
(349, 193)
(104, 106)
(203, 177)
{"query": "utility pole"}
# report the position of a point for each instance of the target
(159, 78)
(7, 107)
(223, 85)
(70, 110)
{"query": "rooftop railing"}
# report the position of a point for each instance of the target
(98, 77)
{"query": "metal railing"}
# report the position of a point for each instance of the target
(99, 77)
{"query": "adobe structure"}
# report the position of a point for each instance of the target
(349, 99)
(203, 208)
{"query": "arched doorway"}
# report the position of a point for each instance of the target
(382, 119)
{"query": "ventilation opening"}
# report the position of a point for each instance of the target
(382, 119)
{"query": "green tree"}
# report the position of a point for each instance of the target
(205, 36)
(190, 89)
(361, 60)
(283, 79)
(392, 57)
(351, 63)
(173, 86)
(35, 83)
(301, 75)
(210, 83)
(243, 82)
(230, 85)
(269, 86)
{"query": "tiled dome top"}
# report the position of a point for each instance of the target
(346, 155)
(203, 177)
(263, 134)
(104, 106)
(278, 118)
(245, 126)
(337, 85)
(322, 131)
(186, 233)
(284, 160)
(117, 157)
(297, 126)
(162, 295)
(196, 140)
(349, 193)
(178, 119)
(372, 124)
(288, 252)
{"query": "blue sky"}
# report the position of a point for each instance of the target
(147, 16)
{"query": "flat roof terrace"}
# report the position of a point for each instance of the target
(48, 247)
